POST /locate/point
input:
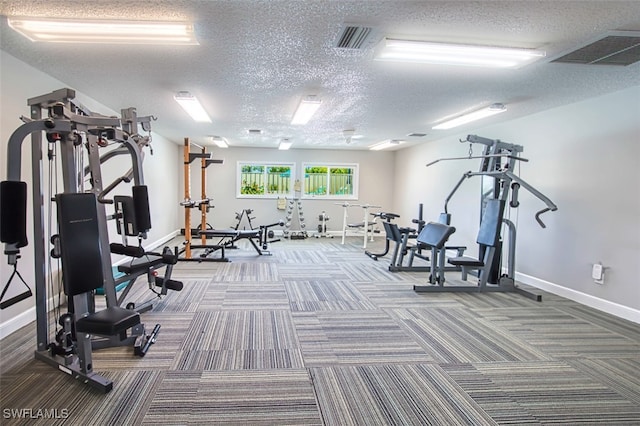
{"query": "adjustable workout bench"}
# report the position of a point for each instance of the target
(227, 238)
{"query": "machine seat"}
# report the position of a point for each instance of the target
(108, 322)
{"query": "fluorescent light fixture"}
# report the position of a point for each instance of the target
(104, 31)
(220, 142)
(455, 54)
(386, 144)
(192, 106)
(308, 106)
(472, 116)
(285, 144)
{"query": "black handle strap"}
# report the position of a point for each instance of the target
(5, 304)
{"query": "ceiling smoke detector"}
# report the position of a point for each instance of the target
(348, 135)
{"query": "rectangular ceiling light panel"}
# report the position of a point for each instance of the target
(192, 106)
(454, 54)
(104, 31)
(307, 108)
(472, 116)
(391, 143)
(285, 144)
(220, 142)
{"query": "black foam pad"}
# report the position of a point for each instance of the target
(131, 251)
(435, 234)
(489, 232)
(141, 203)
(79, 242)
(13, 213)
(169, 284)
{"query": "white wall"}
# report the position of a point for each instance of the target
(376, 171)
(19, 82)
(586, 158)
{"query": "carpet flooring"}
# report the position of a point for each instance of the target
(320, 334)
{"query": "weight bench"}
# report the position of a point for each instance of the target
(434, 236)
(227, 238)
(445, 219)
(488, 240)
(144, 263)
(400, 237)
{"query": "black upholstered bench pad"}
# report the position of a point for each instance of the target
(466, 261)
(141, 264)
(230, 233)
(108, 322)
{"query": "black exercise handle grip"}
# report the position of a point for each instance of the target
(13, 213)
(19, 298)
(540, 222)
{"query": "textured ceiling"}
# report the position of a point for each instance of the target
(257, 59)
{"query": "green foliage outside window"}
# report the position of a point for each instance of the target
(264, 179)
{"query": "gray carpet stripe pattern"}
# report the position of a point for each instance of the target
(354, 337)
(393, 394)
(325, 295)
(454, 335)
(320, 334)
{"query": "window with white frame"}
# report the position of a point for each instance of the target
(264, 180)
(330, 180)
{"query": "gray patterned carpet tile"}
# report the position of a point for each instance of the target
(318, 333)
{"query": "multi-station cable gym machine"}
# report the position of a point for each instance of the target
(75, 135)
(497, 169)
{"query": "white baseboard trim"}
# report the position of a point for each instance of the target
(17, 322)
(24, 318)
(603, 305)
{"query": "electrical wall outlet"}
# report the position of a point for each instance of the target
(597, 273)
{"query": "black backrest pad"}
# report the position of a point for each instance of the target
(435, 234)
(13, 213)
(80, 242)
(489, 232)
(392, 231)
(141, 202)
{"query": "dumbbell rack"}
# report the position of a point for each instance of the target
(300, 233)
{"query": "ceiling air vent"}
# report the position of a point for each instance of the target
(354, 37)
(615, 48)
